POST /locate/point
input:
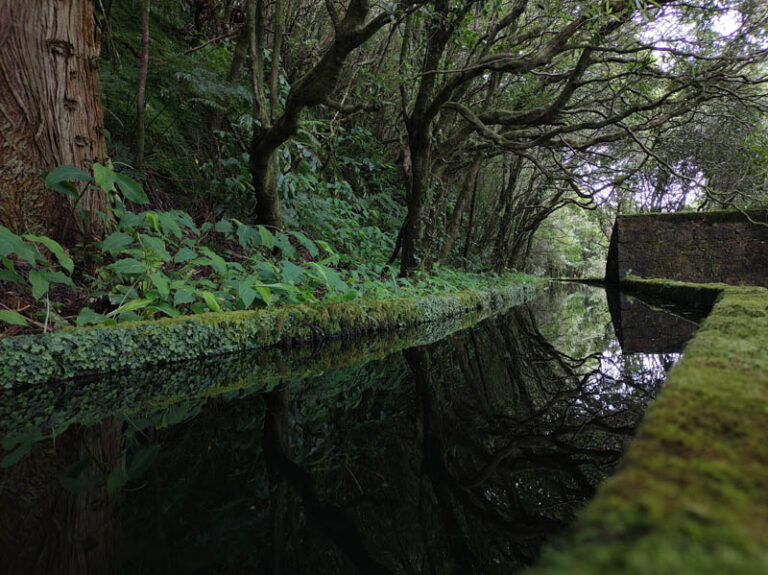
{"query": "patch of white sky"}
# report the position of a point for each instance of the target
(665, 30)
(727, 23)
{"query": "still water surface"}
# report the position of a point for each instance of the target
(461, 456)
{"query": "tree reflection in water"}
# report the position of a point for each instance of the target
(460, 456)
(489, 447)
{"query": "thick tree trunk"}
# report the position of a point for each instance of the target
(264, 174)
(501, 248)
(420, 164)
(50, 110)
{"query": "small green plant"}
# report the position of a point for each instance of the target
(31, 265)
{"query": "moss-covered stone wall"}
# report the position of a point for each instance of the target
(704, 247)
(691, 496)
(82, 352)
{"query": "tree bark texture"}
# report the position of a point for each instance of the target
(50, 109)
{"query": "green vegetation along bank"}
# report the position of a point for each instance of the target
(690, 495)
(80, 352)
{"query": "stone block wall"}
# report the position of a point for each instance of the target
(700, 247)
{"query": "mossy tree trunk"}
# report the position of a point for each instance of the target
(314, 88)
(50, 111)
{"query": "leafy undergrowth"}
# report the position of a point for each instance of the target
(157, 264)
(690, 498)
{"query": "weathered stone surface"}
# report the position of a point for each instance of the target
(695, 247)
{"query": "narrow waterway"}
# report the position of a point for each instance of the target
(463, 455)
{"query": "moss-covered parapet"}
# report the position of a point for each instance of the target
(691, 496)
(30, 413)
(82, 352)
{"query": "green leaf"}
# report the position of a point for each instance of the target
(169, 225)
(210, 300)
(218, 263)
(142, 460)
(55, 248)
(60, 278)
(10, 276)
(183, 296)
(265, 293)
(155, 246)
(116, 241)
(283, 242)
(57, 179)
(224, 227)
(267, 272)
(291, 273)
(89, 317)
(245, 234)
(154, 220)
(184, 255)
(246, 293)
(130, 188)
(308, 244)
(160, 281)
(10, 243)
(104, 177)
(12, 318)
(267, 239)
(40, 283)
(128, 266)
(132, 305)
(167, 309)
(14, 457)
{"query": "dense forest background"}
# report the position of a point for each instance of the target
(512, 154)
(377, 139)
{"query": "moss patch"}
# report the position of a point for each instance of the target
(63, 355)
(691, 495)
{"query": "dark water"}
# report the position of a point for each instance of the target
(464, 455)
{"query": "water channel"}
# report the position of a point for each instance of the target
(461, 455)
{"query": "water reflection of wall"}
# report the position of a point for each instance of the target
(641, 328)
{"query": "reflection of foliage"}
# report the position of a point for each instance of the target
(575, 319)
(463, 454)
(471, 460)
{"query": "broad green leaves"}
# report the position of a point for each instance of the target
(116, 241)
(55, 248)
(38, 273)
(11, 244)
(12, 318)
(59, 179)
(128, 266)
(131, 189)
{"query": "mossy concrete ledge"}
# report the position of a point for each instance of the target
(68, 354)
(691, 496)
